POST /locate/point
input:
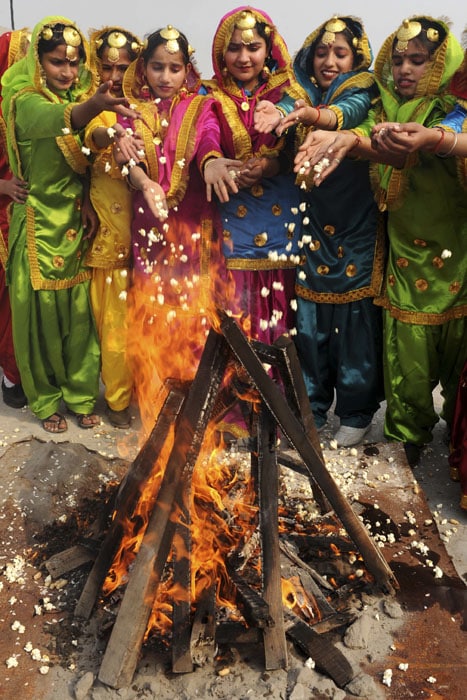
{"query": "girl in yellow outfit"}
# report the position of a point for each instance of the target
(112, 50)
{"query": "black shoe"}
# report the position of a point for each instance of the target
(413, 453)
(119, 419)
(13, 396)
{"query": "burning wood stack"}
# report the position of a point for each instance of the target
(168, 458)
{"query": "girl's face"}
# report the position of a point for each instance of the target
(245, 61)
(166, 72)
(60, 71)
(330, 60)
(408, 68)
(114, 70)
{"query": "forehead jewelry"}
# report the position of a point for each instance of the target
(407, 31)
(171, 36)
(246, 23)
(331, 28)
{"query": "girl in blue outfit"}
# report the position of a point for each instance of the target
(342, 246)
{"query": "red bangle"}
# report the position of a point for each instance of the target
(441, 139)
(356, 143)
(318, 109)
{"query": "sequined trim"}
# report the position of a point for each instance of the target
(257, 264)
(419, 317)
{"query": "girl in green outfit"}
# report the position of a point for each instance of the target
(425, 291)
(53, 329)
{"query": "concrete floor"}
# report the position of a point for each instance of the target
(432, 473)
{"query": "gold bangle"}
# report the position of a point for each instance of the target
(448, 153)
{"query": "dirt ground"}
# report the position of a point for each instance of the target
(52, 490)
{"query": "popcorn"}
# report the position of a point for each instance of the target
(387, 677)
(446, 254)
(320, 166)
(111, 132)
(65, 130)
(86, 150)
(107, 167)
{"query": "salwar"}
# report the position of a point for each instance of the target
(109, 288)
(332, 362)
(59, 357)
(418, 358)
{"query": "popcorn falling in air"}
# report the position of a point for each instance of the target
(107, 167)
(446, 254)
(111, 132)
(86, 150)
(65, 130)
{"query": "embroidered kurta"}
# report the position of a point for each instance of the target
(260, 226)
(425, 288)
(53, 329)
(109, 255)
(342, 255)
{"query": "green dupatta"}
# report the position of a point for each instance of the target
(431, 102)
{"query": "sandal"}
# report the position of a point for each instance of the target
(87, 420)
(56, 422)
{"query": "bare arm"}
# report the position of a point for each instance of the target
(83, 112)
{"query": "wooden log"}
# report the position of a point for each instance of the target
(275, 646)
(69, 559)
(123, 648)
(319, 647)
(293, 430)
(182, 661)
(203, 646)
(251, 604)
(287, 550)
(129, 492)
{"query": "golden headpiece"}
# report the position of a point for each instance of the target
(71, 37)
(246, 23)
(171, 35)
(331, 28)
(116, 40)
(410, 29)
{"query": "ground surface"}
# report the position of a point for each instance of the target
(50, 481)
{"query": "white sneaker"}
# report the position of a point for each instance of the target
(347, 436)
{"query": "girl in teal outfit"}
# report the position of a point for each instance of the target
(425, 291)
(339, 332)
(53, 329)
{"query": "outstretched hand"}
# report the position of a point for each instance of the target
(128, 146)
(220, 175)
(106, 101)
(322, 152)
(392, 137)
(266, 117)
